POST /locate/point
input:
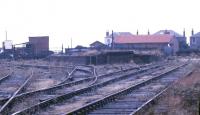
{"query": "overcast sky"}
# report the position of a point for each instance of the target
(87, 20)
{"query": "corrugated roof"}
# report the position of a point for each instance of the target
(143, 39)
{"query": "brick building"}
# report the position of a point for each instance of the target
(195, 41)
(164, 40)
(40, 45)
(182, 45)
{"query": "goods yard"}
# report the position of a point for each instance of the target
(43, 87)
(55, 58)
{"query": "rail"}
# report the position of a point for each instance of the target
(5, 107)
(148, 104)
(99, 103)
(77, 92)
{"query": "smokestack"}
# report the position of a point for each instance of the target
(184, 32)
(148, 32)
(62, 49)
(112, 44)
(6, 36)
(192, 32)
(137, 32)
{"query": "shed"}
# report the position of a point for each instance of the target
(98, 45)
(40, 45)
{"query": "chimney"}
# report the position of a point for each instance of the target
(184, 32)
(148, 32)
(6, 35)
(112, 44)
(192, 32)
(62, 49)
(107, 33)
(166, 32)
(137, 32)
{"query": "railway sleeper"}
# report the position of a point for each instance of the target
(126, 91)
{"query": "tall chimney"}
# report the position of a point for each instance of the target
(184, 32)
(62, 49)
(148, 32)
(112, 44)
(192, 32)
(6, 35)
(166, 31)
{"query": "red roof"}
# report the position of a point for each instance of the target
(143, 39)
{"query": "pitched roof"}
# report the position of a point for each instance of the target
(80, 47)
(196, 35)
(96, 43)
(143, 39)
(169, 32)
(121, 34)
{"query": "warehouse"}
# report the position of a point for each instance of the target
(195, 41)
(166, 41)
(40, 45)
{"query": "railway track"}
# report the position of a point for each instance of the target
(10, 82)
(26, 99)
(28, 91)
(82, 68)
(4, 71)
(133, 99)
(83, 93)
(44, 78)
(152, 100)
(86, 71)
(71, 72)
(11, 85)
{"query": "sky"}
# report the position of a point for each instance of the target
(85, 21)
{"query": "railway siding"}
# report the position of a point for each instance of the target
(81, 91)
(125, 108)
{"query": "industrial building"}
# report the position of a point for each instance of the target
(195, 41)
(40, 45)
(182, 45)
(7, 46)
(166, 41)
(104, 57)
(37, 47)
